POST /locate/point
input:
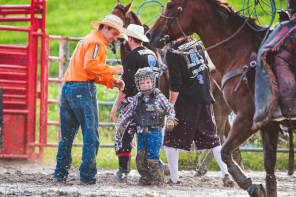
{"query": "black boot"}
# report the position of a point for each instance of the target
(121, 175)
(124, 168)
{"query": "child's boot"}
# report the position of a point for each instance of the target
(156, 172)
(124, 168)
(143, 168)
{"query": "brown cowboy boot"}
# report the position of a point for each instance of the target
(156, 172)
(287, 83)
(142, 167)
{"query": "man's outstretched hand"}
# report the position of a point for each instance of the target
(119, 84)
(118, 69)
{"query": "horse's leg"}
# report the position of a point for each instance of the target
(237, 157)
(203, 168)
(240, 132)
(291, 153)
(270, 135)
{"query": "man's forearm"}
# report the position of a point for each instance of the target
(173, 97)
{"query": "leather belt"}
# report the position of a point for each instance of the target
(71, 82)
(149, 128)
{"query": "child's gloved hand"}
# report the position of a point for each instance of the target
(170, 124)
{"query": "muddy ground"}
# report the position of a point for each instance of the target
(23, 178)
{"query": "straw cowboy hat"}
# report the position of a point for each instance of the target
(136, 31)
(113, 21)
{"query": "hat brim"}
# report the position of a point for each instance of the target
(96, 24)
(137, 36)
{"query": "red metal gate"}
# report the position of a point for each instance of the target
(23, 79)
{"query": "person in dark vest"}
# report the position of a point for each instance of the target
(139, 57)
(190, 94)
(148, 108)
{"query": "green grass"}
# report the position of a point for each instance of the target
(71, 18)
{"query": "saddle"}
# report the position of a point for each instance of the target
(274, 79)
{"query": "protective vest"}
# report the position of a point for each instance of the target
(148, 114)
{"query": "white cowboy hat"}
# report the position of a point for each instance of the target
(113, 21)
(136, 31)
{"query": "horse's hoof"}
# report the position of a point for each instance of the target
(290, 172)
(256, 190)
(200, 173)
(227, 182)
(166, 169)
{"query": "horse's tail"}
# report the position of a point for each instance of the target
(291, 153)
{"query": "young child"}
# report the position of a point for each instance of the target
(149, 108)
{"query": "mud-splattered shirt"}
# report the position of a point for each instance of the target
(161, 102)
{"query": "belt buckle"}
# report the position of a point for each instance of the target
(146, 129)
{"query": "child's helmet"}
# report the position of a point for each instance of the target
(143, 73)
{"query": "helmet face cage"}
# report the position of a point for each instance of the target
(143, 73)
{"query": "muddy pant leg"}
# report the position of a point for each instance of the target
(153, 142)
(69, 128)
(141, 161)
(156, 171)
(172, 155)
(88, 116)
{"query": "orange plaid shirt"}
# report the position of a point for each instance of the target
(88, 61)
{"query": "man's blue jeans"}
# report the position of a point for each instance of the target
(78, 108)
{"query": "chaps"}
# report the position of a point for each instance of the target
(287, 83)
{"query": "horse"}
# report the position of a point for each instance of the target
(221, 110)
(230, 43)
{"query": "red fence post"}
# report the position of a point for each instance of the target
(19, 67)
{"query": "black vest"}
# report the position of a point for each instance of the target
(147, 113)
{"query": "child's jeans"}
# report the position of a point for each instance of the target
(148, 163)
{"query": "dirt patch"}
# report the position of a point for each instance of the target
(23, 178)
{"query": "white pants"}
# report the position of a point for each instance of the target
(217, 154)
(172, 155)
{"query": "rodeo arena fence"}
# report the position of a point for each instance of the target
(24, 71)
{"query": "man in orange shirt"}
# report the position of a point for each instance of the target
(78, 99)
